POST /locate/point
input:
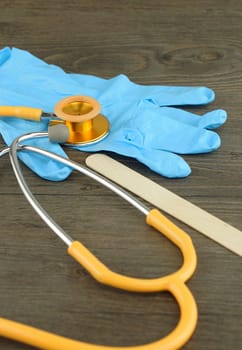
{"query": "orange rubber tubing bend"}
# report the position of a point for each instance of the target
(173, 283)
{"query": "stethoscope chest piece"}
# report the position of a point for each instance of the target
(81, 114)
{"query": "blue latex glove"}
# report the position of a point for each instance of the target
(140, 128)
(149, 131)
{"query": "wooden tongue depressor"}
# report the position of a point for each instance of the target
(181, 209)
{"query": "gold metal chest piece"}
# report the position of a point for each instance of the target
(81, 114)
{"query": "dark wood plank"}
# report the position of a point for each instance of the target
(154, 42)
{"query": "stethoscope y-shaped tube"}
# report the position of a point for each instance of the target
(173, 283)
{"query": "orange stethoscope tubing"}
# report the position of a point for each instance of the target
(173, 283)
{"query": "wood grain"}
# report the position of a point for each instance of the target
(174, 42)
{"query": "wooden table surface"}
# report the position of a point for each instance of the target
(174, 42)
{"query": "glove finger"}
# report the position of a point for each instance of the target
(188, 140)
(180, 96)
(213, 120)
(42, 166)
(210, 120)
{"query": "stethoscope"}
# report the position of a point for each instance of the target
(76, 120)
(173, 283)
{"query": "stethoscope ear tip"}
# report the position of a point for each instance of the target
(58, 133)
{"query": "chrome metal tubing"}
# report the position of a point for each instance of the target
(4, 151)
(17, 146)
